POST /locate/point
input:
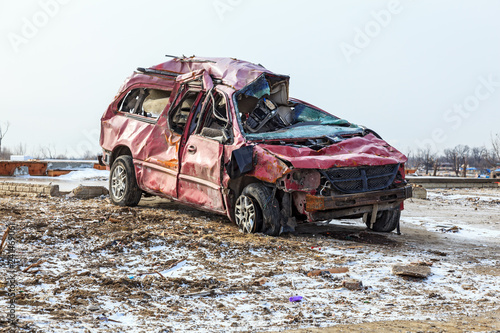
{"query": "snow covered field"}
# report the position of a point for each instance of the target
(162, 267)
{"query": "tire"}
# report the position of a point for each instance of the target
(256, 210)
(123, 188)
(386, 221)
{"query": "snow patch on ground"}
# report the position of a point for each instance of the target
(86, 174)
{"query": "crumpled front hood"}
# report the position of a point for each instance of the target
(356, 151)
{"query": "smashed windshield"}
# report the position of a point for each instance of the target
(265, 112)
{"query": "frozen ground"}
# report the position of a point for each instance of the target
(162, 267)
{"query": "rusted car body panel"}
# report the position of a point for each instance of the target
(178, 156)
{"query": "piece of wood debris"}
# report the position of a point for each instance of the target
(4, 238)
(34, 265)
(422, 263)
(199, 293)
(259, 282)
(334, 270)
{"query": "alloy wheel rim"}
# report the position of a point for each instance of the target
(245, 214)
(119, 182)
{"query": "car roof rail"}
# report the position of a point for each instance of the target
(155, 71)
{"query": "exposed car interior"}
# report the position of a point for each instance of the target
(145, 102)
(215, 117)
(269, 112)
(179, 116)
(265, 111)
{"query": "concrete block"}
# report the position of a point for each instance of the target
(54, 191)
(88, 192)
(411, 270)
(419, 192)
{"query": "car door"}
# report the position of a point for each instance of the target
(140, 126)
(201, 157)
(158, 171)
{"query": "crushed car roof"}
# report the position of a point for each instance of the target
(232, 72)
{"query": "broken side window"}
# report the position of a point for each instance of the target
(179, 115)
(155, 102)
(145, 102)
(214, 119)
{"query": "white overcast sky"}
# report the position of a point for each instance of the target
(429, 72)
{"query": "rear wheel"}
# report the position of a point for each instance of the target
(386, 220)
(123, 188)
(256, 210)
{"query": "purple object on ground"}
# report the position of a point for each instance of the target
(296, 298)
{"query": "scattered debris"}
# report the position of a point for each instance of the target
(453, 229)
(352, 284)
(88, 192)
(93, 308)
(296, 298)
(334, 270)
(411, 270)
(419, 192)
(422, 263)
(468, 287)
(260, 282)
(211, 272)
(34, 265)
(439, 253)
(104, 318)
(4, 238)
(200, 294)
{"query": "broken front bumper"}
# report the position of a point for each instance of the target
(322, 208)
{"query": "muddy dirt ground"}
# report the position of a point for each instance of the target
(163, 267)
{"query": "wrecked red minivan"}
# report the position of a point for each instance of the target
(223, 135)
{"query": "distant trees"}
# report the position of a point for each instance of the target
(47, 152)
(425, 158)
(451, 156)
(457, 159)
(20, 149)
(3, 131)
(478, 157)
(463, 157)
(494, 155)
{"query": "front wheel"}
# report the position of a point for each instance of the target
(257, 210)
(386, 220)
(123, 188)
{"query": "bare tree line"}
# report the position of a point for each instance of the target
(42, 152)
(3, 131)
(456, 159)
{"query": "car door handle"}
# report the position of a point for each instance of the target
(191, 149)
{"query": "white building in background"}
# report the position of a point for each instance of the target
(20, 158)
